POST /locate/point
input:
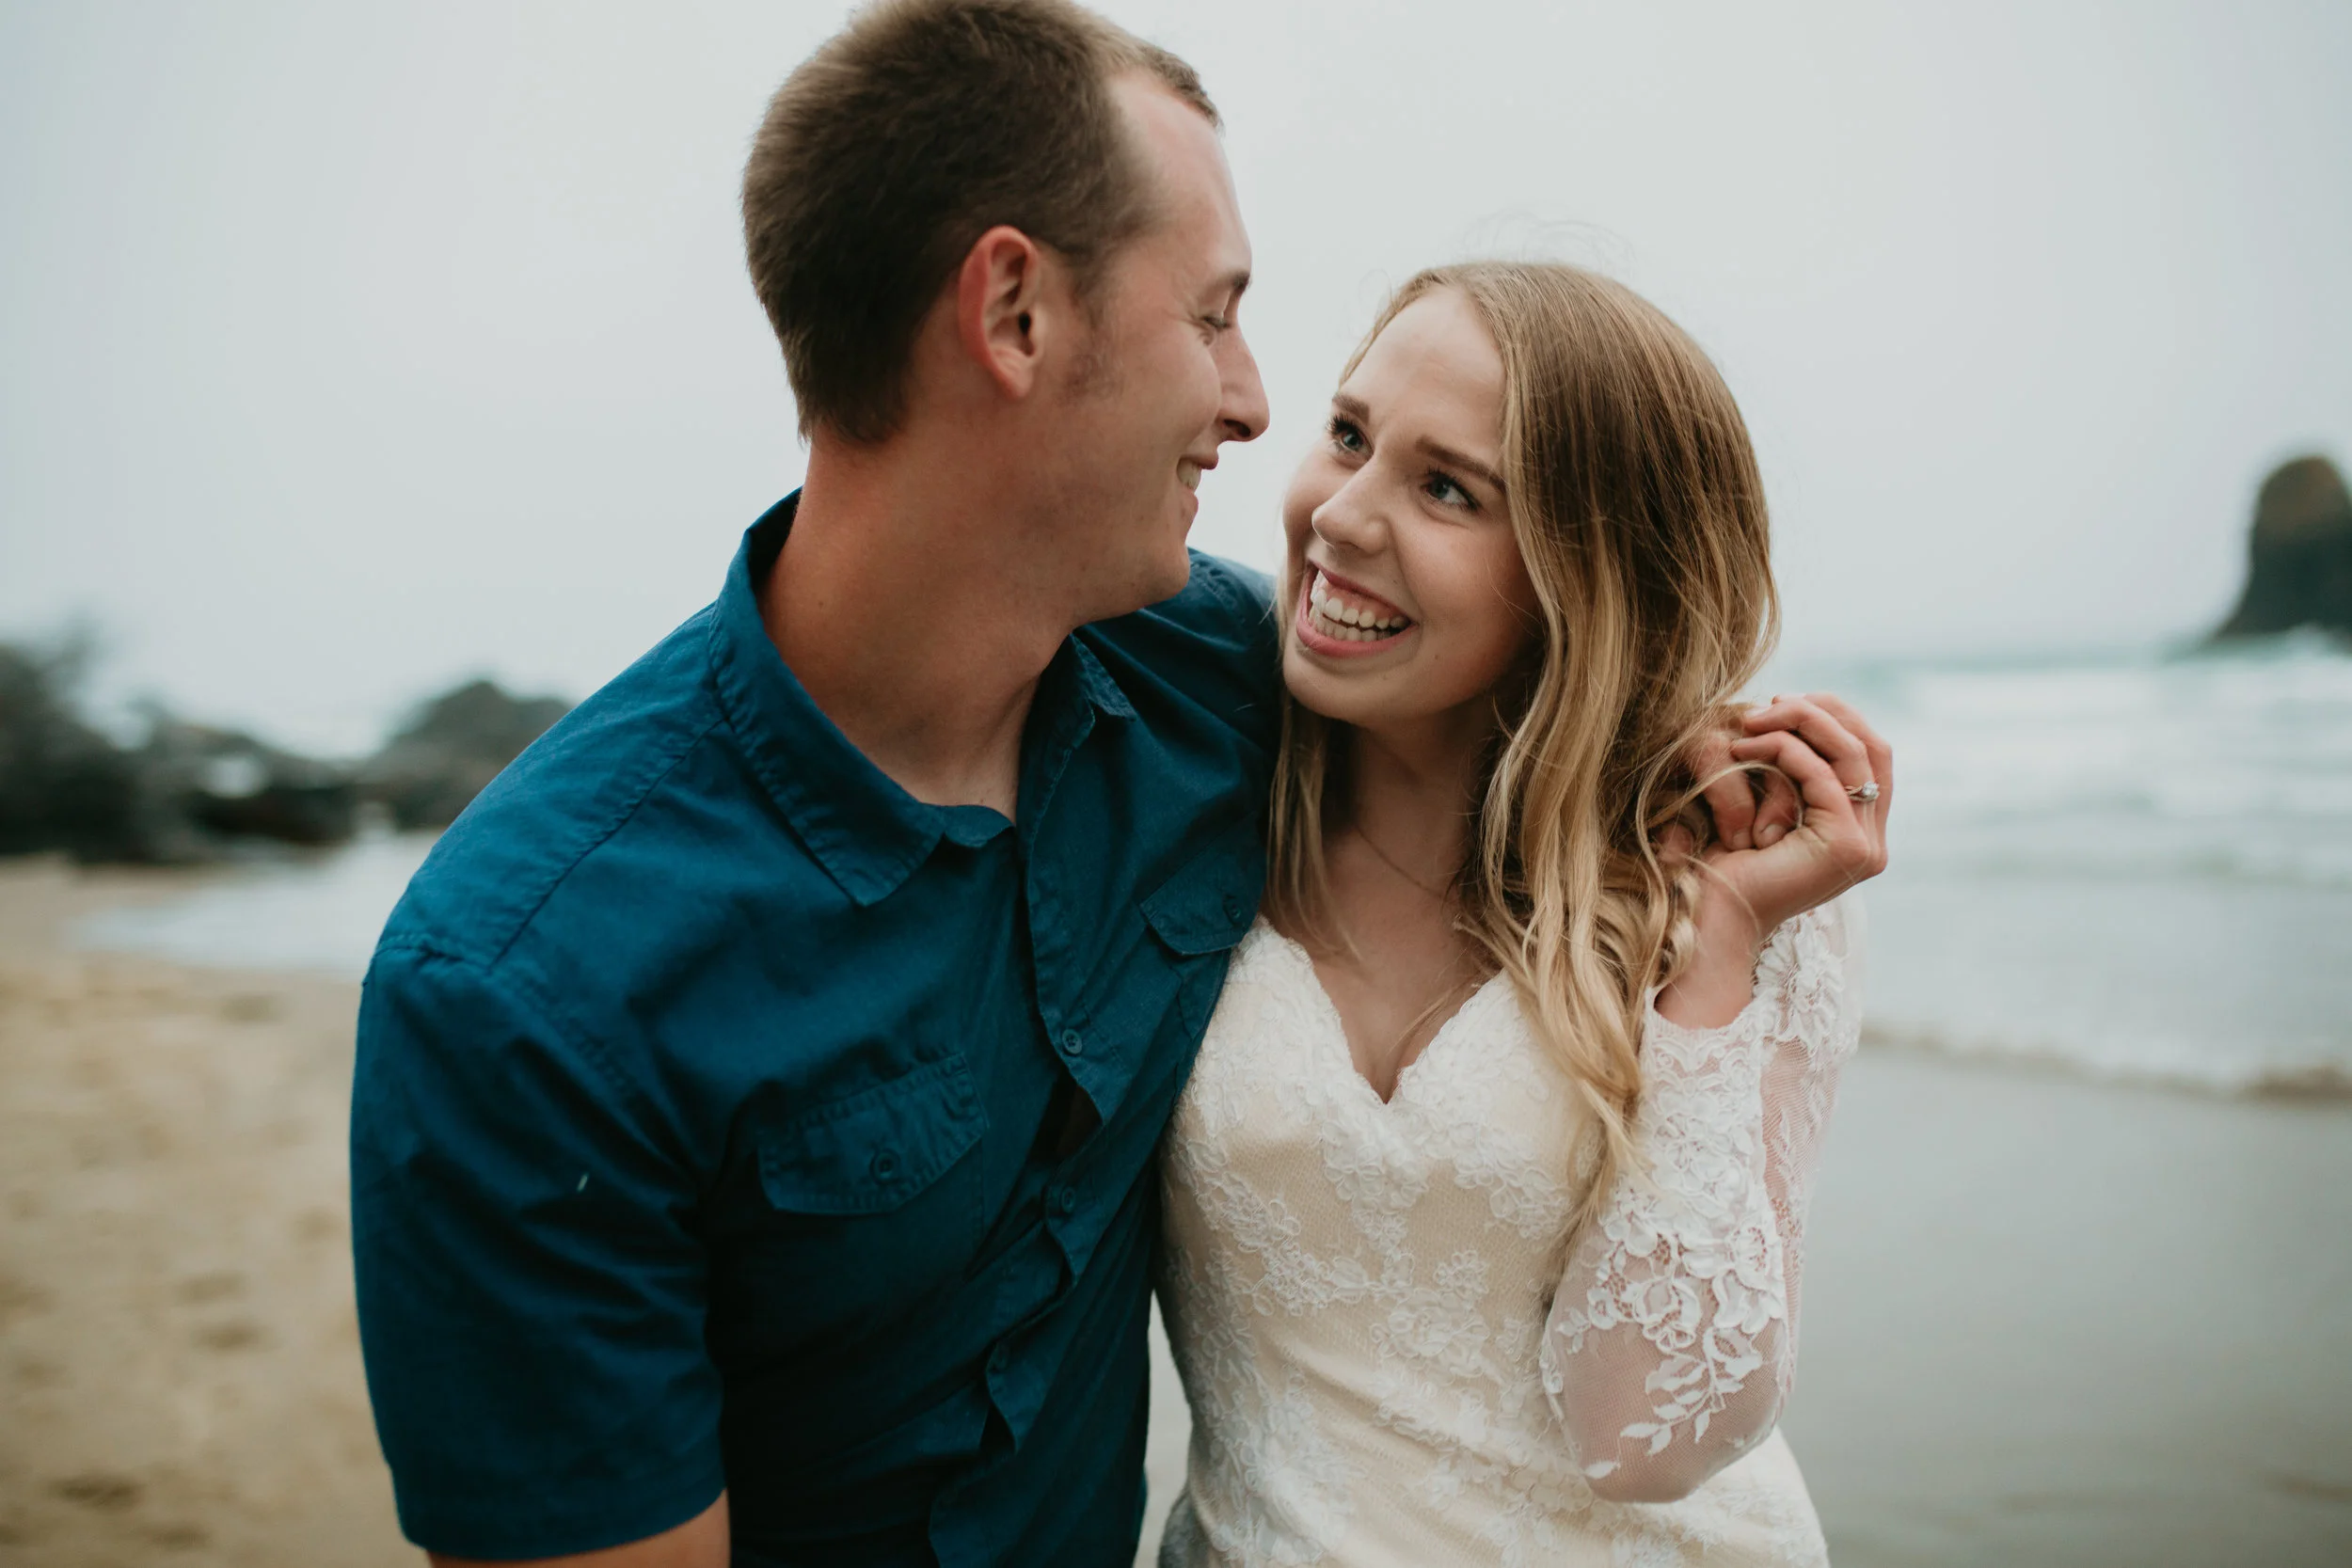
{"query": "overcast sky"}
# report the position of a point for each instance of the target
(348, 350)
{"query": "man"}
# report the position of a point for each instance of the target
(756, 1089)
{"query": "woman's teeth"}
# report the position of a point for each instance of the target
(1339, 618)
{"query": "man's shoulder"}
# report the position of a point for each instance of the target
(1224, 598)
(557, 805)
(1215, 645)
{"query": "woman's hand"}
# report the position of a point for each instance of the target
(1823, 746)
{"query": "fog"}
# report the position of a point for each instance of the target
(347, 351)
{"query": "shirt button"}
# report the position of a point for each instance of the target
(885, 1163)
(1072, 1044)
(999, 1358)
(1066, 1201)
(1232, 906)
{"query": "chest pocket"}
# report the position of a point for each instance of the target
(877, 1194)
(1202, 912)
(872, 1152)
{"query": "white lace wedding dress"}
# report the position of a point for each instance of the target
(1395, 1351)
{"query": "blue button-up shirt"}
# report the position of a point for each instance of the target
(727, 1117)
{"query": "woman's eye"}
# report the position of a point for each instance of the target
(1443, 489)
(1346, 436)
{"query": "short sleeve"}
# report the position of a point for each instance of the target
(531, 1288)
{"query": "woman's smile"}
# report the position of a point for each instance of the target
(1339, 620)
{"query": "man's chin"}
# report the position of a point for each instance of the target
(1153, 583)
(1173, 577)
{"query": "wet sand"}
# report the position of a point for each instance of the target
(2053, 1324)
(2048, 1323)
(180, 1375)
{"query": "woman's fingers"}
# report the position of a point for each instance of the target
(1874, 746)
(1830, 740)
(1729, 798)
(1823, 731)
(1820, 748)
(1830, 812)
(1816, 779)
(1779, 811)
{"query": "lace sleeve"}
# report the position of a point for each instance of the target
(1673, 1338)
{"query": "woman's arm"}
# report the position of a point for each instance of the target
(1672, 1339)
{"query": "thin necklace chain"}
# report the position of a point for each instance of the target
(1441, 894)
(1457, 984)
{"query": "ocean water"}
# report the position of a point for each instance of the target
(315, 913)
(2136, 866)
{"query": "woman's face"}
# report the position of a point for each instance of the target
(1411, 601)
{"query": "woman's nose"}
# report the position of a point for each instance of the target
(1349, 517)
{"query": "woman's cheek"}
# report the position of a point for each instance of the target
(1480, 636)
(1310, 487)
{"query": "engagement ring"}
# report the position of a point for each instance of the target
(1865, 792)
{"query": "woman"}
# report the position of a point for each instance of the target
(1485, 1199)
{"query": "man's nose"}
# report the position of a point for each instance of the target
(1243, 413)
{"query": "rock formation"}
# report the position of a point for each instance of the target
(223, 783)
(456, 744)
(190, 792)
(2301, 553)
(63, 786)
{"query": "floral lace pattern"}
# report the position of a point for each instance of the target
(1358, 1292)
(1688, 1278)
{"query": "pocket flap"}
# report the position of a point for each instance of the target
(868, 1152)
(1208, 905)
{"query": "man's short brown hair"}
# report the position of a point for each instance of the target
(913, 131)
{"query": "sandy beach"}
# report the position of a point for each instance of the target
(178, 1358)
(2050, 1322)
(2062, 1323)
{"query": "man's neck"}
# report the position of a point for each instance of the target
(905, 616)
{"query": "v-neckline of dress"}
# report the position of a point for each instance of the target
(1334, 1032)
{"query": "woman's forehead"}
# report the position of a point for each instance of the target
(1435, 366)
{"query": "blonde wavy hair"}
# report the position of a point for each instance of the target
(1639, 512)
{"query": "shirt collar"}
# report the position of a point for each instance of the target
(1095, 681)
(868, 833)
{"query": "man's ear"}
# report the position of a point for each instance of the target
(999, 321)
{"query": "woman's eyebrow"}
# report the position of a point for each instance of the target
(1450, 458)
(1357, 411)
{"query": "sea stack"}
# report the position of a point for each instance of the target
(2301, 553)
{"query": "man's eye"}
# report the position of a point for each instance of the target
(1219, 324)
